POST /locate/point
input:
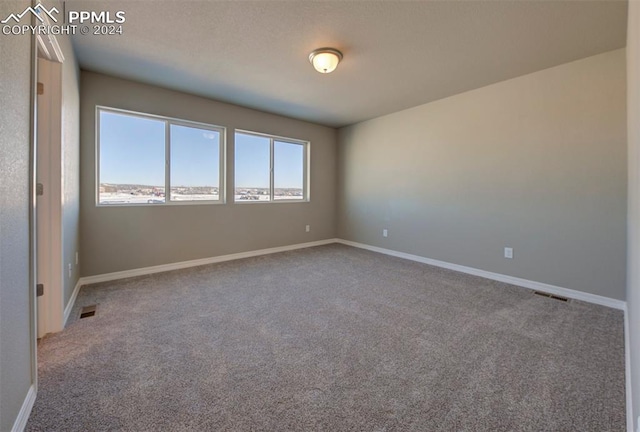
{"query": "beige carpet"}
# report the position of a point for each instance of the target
(330, 338)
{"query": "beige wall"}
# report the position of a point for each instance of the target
(537, 163)
(633, 130)
(15, 339)
(122, 238)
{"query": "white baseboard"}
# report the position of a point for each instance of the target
(72, 301)
(25, 410)
(199, 262)
(525, 283)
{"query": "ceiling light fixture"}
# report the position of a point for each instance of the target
(325, 60)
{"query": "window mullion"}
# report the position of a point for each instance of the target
(167, 162)
(305, 172)
(98, 150)
(271, 180)
(222, 166)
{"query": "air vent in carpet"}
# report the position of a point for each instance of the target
(553, 296)
(88, 311)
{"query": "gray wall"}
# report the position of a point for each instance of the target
(537, 163)
(70, 166)
(633, 130)
(122, 238)
(15, 340)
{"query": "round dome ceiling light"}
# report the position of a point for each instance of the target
(325, 60)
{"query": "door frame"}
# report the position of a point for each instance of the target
(46, 47)
(49, 267)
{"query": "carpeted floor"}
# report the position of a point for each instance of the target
(330, 338)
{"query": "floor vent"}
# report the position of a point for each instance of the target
(88, 311)
(552, 296)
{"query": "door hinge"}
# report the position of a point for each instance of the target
(40, 88)
(39, 189)
(39, 290)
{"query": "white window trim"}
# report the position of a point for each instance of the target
(168, 121)
(306, 145)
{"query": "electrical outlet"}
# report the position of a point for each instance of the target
(385, 233)
(69, 269)
(76, 258)
(307, 228)
(508, 252)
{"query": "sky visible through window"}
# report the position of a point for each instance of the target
(253, 162)
(194, 157)
(132, 151)
(288, 165)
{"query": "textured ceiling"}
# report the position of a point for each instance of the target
(396, 54)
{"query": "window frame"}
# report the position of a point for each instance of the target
(168, 121)
(306, 168)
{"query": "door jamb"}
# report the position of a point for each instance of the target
(48, 45)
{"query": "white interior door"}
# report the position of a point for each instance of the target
(50, 306)
(42, 204)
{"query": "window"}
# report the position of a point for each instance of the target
(145, 159)
(269, 168)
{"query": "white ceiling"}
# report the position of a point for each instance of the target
(397, 54)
